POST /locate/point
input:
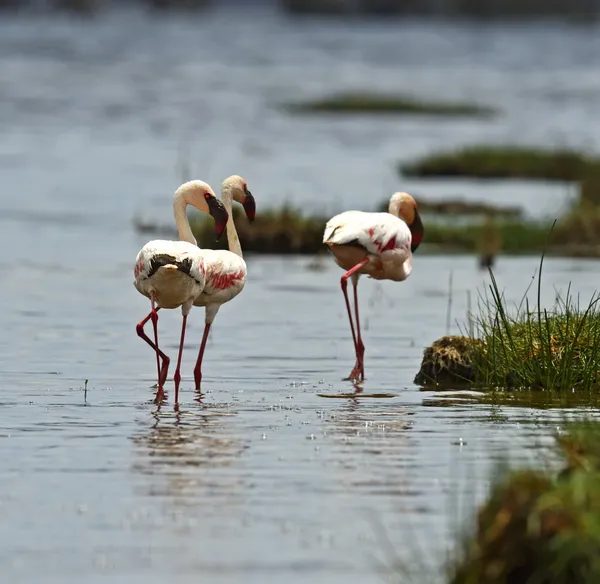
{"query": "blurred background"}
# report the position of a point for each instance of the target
(487, 111)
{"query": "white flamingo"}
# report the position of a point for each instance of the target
(379, 245)
(225, 270)
(173, 273)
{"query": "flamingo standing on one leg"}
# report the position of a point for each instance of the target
(173, 273)
(225, 270)
(379, 245)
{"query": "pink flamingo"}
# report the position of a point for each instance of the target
(225, 270)
(173, 273)
(379, 245)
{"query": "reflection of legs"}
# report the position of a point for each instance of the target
(198, 367)
(162, 371)
(354, 374)
(360, 347)
(177, 376)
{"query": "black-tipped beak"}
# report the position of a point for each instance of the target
(250, 206)
(417, 230)
(219, 214)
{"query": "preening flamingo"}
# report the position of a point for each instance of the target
(173, 273)
(225, 270)
(379, 245)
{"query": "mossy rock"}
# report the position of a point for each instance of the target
(449, 361)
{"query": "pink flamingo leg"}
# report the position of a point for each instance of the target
(344, 283)
(360, 347)
(140, 331)
(177, 376)
(162, 372)
(198, 367)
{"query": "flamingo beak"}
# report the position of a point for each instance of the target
(417, 230)
(249, 206)
(219, 214)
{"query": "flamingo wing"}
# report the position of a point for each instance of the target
(225, 277)
(159, 253)
(375, 232)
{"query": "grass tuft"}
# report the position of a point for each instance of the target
(552, 350)
(539, 527)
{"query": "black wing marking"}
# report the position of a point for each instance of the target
(164, 259)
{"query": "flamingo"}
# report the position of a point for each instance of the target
(225, 270)
(173, 273)
(379, 245)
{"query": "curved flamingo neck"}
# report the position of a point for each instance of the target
(181, 219)
(232, 236)
(394, 207)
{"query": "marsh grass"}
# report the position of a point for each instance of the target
(539, 526)
(554, 350)
(374, 103)
(274, 231)
(488, 162)
(517, 237)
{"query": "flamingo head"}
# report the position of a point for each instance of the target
(240, 193)
(200, 195)
(404, 206)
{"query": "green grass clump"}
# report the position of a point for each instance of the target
(373, 103)
(553, 350)
(281, 231)
(505, 162)
(523, 349)
(538, 527)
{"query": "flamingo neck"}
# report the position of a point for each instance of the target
(232, 236)
(394, 208)
(181, 219)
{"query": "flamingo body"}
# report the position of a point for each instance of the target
(379, 245)
(173, 271)
(383, 238)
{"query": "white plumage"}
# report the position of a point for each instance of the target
(379, 245)
(173, 270)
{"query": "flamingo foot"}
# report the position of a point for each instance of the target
(358, 373)
(160, 396)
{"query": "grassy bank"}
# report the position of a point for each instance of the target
(505, 162)
(538, 526)
(373, 103)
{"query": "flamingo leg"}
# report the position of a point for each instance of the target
(142, 335)
(162, 371)
(344, 283)
(360, 347)
(198, 367)
(177, 376)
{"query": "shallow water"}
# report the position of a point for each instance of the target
(267, 476)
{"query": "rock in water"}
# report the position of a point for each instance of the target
(449, 361)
